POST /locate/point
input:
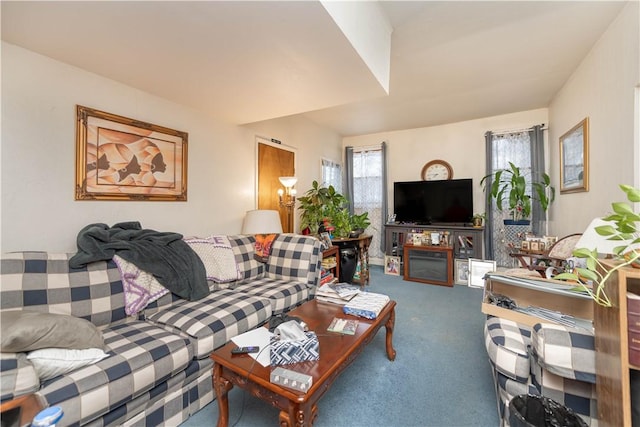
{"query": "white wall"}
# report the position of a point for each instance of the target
(461, 144)
(603, 89)
(38, 210)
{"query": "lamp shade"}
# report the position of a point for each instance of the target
(288, 181)
(262, 221)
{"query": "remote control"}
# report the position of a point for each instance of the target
(245, 350)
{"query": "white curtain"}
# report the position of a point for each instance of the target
(505, 148)
(367, 187)
(332, 174)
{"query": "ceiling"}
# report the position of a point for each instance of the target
(244, 61)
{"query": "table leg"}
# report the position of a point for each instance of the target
(298, 416)
(391, 352)
(221, 387)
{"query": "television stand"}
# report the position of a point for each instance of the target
(467, 241)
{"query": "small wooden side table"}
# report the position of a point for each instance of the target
(333, 251)
(27, 406)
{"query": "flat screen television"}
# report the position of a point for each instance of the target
(433, 202)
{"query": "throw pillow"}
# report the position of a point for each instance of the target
(140, 288)
(51, 362)
(24, 330)
(264, 242)
(217, 256)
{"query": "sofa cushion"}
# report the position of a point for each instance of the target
(42, 281)
(212, 321)
(295, 257)
(507, 344)
(24, 330)
(244, 251)
(18, 376)
(217, 256)
(568, 352)
(282, 294)
(141, 356)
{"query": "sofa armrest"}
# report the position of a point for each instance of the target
(295, 257)
(17, 376)
(565, 351)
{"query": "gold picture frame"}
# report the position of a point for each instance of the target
(118, 158)
(392, 265)
(574, 158)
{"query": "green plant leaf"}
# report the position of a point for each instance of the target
(605, 230)
(587, 274)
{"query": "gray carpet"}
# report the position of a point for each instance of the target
(440, 377)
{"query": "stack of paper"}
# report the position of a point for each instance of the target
(337, 293)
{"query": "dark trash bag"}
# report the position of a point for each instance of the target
(527, 410)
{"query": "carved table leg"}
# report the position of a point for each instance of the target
(221, 387)
(298, 416)
(391, 352)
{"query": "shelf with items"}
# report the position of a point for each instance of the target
(613, 384)
(466, 241)
(536, 299)
(330, 266)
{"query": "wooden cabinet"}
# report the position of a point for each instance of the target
(467, 242)
(526, 292)
(361, 246)
(612, 350)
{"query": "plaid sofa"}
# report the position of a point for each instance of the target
(551, 360)
(158, 371)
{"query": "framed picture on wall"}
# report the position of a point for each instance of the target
(118, 158)
(574, 158)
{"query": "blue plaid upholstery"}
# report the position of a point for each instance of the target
(212, 321)
(244, 251)
(141, 356)
(283, 295)
(18, 375)
(158, 371)
(43, 281)
(507, 344)
(295, 257)
(560, 365)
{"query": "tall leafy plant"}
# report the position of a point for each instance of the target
(509, 189)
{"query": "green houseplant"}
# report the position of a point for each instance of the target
(477, 219)
(324, 206)
(509, 189)
(623, 228)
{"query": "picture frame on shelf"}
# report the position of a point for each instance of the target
(392, 265)
(477, 270)
(461, 276)
(574, 158)
(325, 240)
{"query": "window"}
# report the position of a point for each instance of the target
(332, 174)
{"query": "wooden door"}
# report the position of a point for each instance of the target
(274, 162)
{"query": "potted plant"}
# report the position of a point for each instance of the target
(509, 189)
(478, 219)
(624, 228)
(325, 207)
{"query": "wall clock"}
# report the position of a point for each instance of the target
(437, 169)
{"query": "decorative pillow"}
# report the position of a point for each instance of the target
(264, 242)
(140, 288)
(24, 330)
(51, 362)
(217, 256)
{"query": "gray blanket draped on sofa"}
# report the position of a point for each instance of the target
(163, 254)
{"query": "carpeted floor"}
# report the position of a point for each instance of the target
(440, 377)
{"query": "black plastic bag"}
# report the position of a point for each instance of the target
(527, 410)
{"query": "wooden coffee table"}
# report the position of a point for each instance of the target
(337, 351)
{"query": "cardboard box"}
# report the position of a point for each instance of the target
(288, 352)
